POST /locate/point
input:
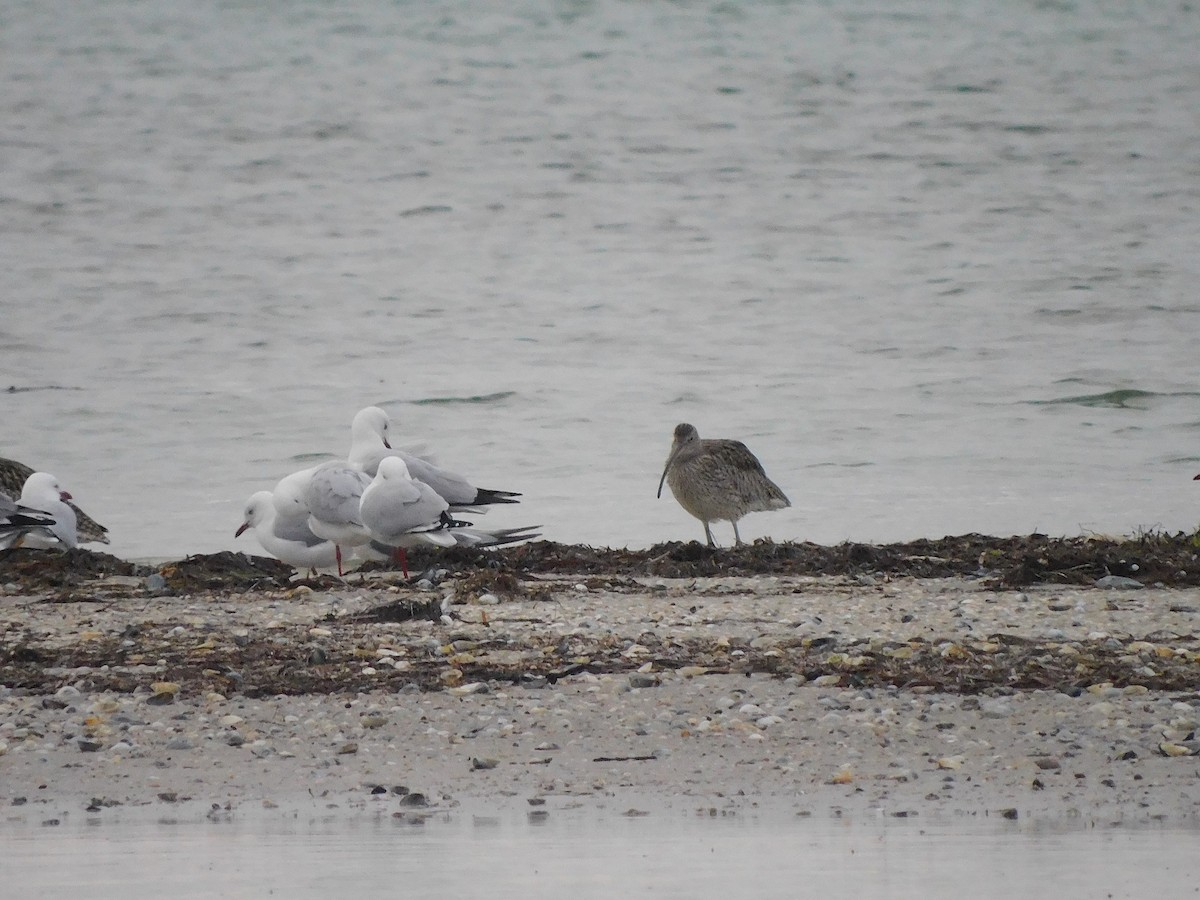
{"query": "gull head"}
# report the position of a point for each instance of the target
(393, 468)
(258, 510)
(41, 487)
(369, 424)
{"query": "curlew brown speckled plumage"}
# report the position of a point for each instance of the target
(717, 479)
(13, 476)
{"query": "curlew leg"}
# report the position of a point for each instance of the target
(708, 534)
(737, 538)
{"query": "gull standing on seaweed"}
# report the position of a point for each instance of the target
(42, 491)
(332, 497)
(291, 542)
(718, 479)
(402, 512)
(369, 445)
(13, 476)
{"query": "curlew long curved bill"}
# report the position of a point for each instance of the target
(666, 469)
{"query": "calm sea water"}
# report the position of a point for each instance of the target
(935, 263)
(605, 854)
(598, 855)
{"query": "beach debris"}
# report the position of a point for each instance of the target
(1179, 748)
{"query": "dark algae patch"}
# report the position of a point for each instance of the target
(226, 571)
(1170, 560)
(1009, 562)
(333, 653)
(47, 570)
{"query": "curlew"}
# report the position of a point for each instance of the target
(718, 479)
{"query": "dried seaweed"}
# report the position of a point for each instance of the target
(295, 663)
(1012, 562)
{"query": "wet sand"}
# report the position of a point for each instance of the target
(895, 696)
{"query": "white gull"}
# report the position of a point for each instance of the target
(369, 445)
(332, 498)
(43, 492)
(292, 542)
(17, 522)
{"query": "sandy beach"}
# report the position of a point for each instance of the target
(897, 696)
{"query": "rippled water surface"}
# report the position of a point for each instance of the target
(600, 855)
(935, 263)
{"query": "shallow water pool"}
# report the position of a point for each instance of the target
(586, 853)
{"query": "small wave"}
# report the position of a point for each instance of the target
(25, 389)
(1124, 398)
(425, 210)
(315, 457)
(477, 398)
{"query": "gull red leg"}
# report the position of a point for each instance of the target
(401, 557)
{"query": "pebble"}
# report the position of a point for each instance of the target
(1182, 748)
(475, 687)
(995, 709)
(1119, 583)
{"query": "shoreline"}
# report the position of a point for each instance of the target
(885, 695)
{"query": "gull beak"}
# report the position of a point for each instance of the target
(386, 444)
(238, 533)
(64, 496)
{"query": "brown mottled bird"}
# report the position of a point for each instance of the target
(12, 478)
(718, 479)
